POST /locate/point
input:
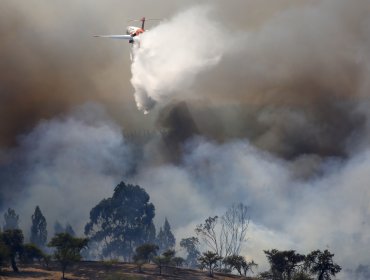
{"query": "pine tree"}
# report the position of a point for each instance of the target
(11, 219)
(38, 228)
(165, 239)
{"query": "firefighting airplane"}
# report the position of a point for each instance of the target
(132, 33)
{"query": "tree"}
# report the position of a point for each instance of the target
(13, 240)
(144, 254)
(31, 252)
(11, 219)
(239, 263)
(123, 222)
(38, 228)
(234, 225)
(210, 261)
(178, 261)
(4, 252)
(302, 275)
(322, 264)
(190, 244)
(68, 249)
(226, 235)
(164, 260)
(160, 261)
(165, 239)
(207, 231)
(284, 263)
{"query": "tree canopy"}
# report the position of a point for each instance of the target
(284, 263)
(322, 264)
(122, 222)
(210, 261)
(68, 249)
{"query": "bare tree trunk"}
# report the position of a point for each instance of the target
(14, 264)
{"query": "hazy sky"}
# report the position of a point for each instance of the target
(264, 102)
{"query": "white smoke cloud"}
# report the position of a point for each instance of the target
(72, 163)
(329, 211)
(171, 55)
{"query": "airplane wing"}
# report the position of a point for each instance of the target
(120, 37)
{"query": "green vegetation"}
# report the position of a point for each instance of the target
(144, 254)
(30, 253)
(210, 261)
(68, 249)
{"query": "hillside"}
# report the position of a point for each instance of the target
(100, 271)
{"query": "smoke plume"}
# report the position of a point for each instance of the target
(171, 56)
(258, 102)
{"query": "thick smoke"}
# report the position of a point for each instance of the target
(171, 56)
(69, 164)
(276, 116)
(304, 69)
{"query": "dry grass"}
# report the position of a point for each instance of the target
(117, 271)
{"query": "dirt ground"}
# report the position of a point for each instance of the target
(102, 271)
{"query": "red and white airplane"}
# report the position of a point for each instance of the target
(132, 32)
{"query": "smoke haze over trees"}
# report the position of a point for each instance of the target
(275, 116)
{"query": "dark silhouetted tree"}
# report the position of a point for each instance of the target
(160, 261)
(30, 253)
(144, 254)
(38, 228)
(11, 219)
(178, 261)
(164, 260)
(284, 263)
(4, 252)
(322, 264)
(123, 222)
(165, 239)
(13, 240)
(239, 263)
(191, 244)
(68, 249)
(210, 261)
